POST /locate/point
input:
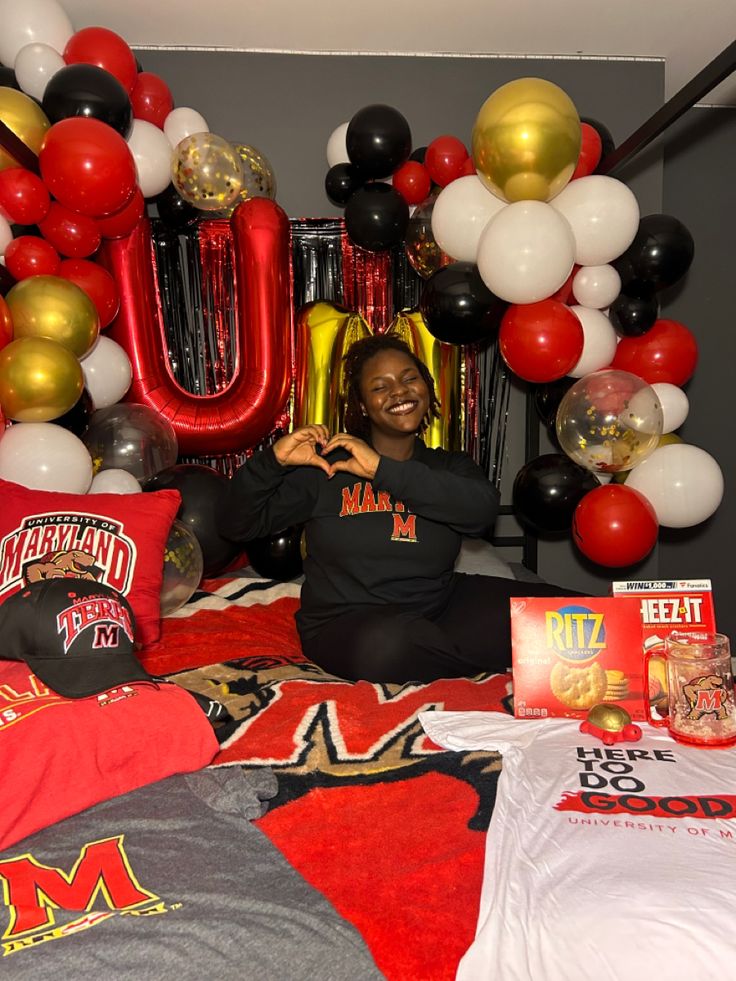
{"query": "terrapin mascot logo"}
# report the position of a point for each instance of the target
(575, 633)
(35, 894)
(70, 545)
(706, 696)
(362, 499)
(104, 616)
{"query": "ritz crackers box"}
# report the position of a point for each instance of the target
(570, 653)
(667, 605)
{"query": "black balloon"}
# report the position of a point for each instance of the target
(376, 217)
(91, 92)
(458, 307)
(277, 556)
(659, 256)
(202, 492)
(378, 140)
(76, 419)
(174, 211)
(547, 398)
(341, 182)
(8, 79)
(607, 143)
(419, 154)
(548, 489)
(633, 316)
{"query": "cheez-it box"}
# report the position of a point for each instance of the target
(570, 653)
(666, 605)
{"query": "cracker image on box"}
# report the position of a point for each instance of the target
(571, 654)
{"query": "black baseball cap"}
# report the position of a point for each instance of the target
(76, 635)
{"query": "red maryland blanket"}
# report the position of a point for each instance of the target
(384, 823)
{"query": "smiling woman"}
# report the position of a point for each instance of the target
(384, 517)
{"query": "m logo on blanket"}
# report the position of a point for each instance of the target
(315, 730)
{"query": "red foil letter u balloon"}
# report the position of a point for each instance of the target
(245, 410)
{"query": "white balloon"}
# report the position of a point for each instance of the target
(337, 151)
(30, 22)
(45, 457)
(114, 482)
(34, 65)
(526, 252)
(675, 405)
(604, 217)
(683, 483)
(599, 341)
(6, 234)
(107, 372)
(596, 286)
(183, 122)
(461, 212)
(152, 154)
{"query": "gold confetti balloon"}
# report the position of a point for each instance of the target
(55, 308)
(609, 421)
(25, 118)
(422, 250)
(39, 380)
(259, 180)
(183, 565)
(207, 172)
(526, 140)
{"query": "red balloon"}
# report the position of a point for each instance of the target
(445, 159)
(615, 525)
(668, 352)
(30, 255)
(87, 166)
(591, 149)
(97, 283)
(122, 222)
(412, 181)
(242, 414)
(6, 336)
(70, 233)
(24, 199)
(542, 341)
(564, 294)
(106, 49)
(151, 99)
(468, 168)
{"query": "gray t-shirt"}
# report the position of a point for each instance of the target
(171, 881)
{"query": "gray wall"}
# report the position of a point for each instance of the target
(288, 105)
(700, 190)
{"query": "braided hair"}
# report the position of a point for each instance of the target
(356, 423)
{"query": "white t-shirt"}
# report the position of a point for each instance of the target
(613, 863)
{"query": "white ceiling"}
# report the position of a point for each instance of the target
(685, 34)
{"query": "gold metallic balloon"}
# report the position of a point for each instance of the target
(422, 250)
(259, 180)
(444, 363)
(526, 140)
(39, 380)
(324, 332)
(56, 308)
(25, 118)
(207, 171)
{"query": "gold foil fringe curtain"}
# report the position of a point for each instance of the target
(196, 279)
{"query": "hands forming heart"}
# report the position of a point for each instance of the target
(309, 445)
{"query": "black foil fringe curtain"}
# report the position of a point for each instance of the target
(196, 280)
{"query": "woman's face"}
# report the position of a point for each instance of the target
(393, 393)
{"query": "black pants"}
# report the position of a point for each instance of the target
(391, 644)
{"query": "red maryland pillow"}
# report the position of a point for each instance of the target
(116, 539)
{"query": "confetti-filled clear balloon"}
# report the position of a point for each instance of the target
(259, 180)
(422, 250)
(207, 171)
(183, 564)
(609, 421)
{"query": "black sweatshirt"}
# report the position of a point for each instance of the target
(392, 540)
